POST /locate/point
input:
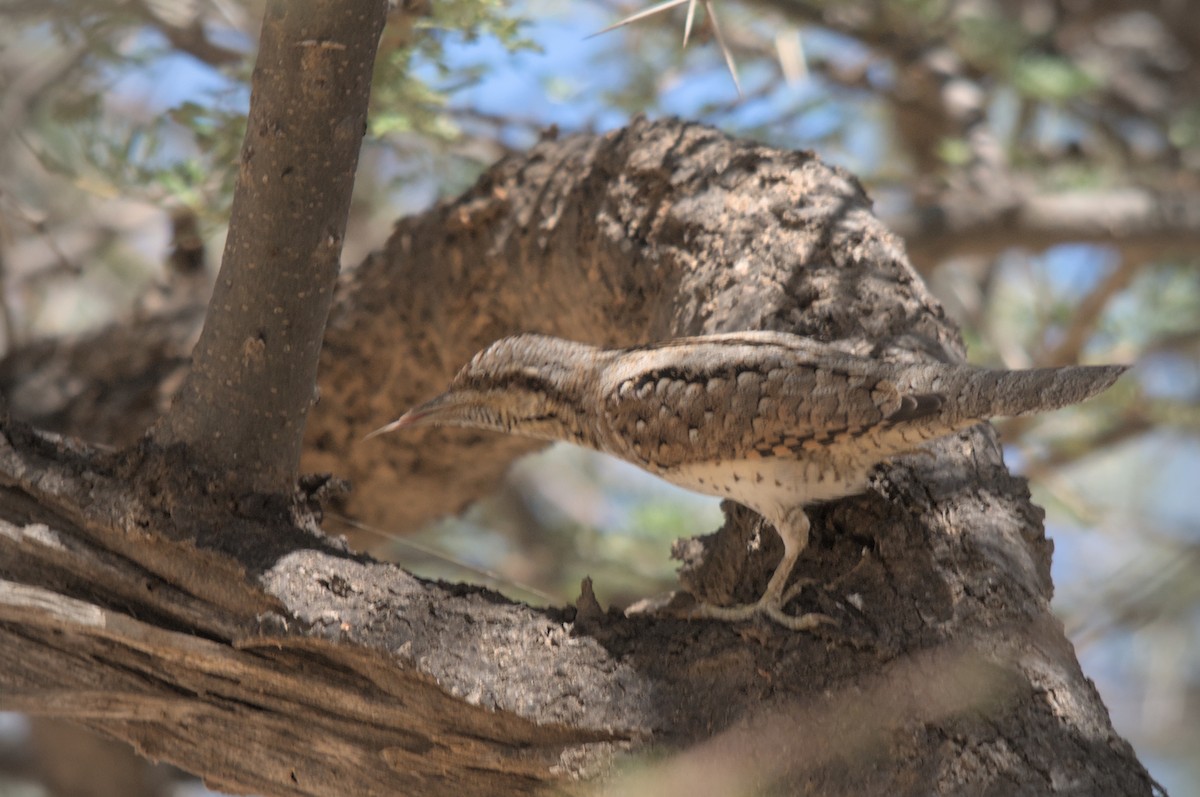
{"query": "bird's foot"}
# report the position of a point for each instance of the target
(768, 606)
(794, 591)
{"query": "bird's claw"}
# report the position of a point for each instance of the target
(771, 609)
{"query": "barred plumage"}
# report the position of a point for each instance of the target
(774, 421)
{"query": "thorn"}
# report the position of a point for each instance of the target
(649, 12)
(712, 16)
(687, 27)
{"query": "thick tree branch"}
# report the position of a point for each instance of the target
(653, 231)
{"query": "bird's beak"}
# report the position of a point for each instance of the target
(425, 414)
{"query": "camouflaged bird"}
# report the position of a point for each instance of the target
(774, 421)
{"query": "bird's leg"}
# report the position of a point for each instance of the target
(794, 591)
(793, 530)
(796, 520)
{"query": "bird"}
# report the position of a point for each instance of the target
(774, 421)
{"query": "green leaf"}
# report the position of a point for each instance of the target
(1051, 78)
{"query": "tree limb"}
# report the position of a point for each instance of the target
(1141, 224)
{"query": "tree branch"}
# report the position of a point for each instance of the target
(1141, 224)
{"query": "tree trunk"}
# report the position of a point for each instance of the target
(272, 660)
(242, 406)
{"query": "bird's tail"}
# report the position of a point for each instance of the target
(984, 393)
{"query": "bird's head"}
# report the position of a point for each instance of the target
(528, 385)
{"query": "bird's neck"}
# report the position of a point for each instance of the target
(564, 412)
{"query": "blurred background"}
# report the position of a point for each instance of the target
(1040, 157)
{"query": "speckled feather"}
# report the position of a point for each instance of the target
(774, 421)
(743, 397)
(770, 394)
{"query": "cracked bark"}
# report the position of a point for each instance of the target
(273, 660)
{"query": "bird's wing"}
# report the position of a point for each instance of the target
(748, 395)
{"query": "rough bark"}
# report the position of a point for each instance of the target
(273, 660)
(242, 406)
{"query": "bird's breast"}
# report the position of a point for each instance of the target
(770, 484)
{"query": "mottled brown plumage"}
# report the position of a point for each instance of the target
(774, 421)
